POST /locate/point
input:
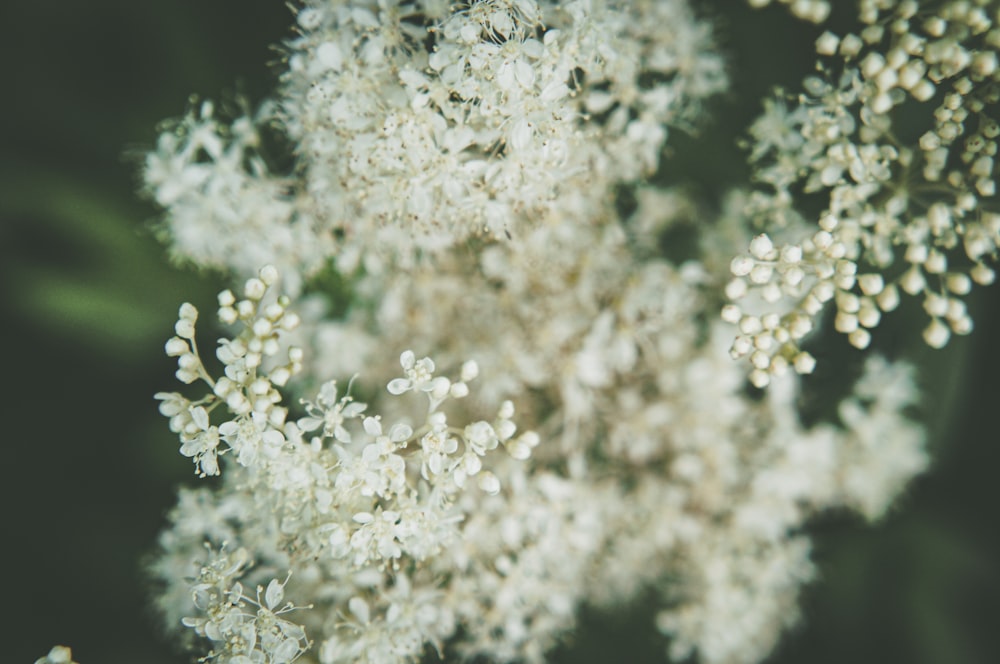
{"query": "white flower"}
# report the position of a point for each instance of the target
(419, 376)
(437, 445)
(251, 436)
(481, 437)
(201, 441)
(330, 413)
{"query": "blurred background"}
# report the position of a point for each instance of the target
(87, 299)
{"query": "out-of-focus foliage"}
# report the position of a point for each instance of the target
(87, 299)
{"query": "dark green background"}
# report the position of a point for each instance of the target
(87, 299)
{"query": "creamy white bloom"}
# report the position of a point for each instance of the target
(474, 175)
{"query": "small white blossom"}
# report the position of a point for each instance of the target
(58, 655)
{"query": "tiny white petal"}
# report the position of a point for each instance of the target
(274, 594)
(400, 432)
(373, 427)
(398, 386)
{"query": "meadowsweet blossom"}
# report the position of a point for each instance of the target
(480, 177)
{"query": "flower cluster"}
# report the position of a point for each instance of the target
(352, 510)
(908, 211)
(509, 111)
(419, 126)
(224, 200)
(475, 173)
(248, 389)
(242, 629)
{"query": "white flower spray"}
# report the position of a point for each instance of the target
(474, 173)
